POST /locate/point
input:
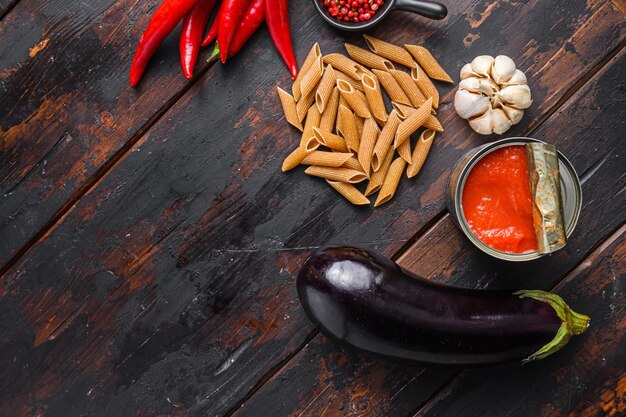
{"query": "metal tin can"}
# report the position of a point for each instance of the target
(571, 194)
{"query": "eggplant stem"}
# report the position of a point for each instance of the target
(572, 323)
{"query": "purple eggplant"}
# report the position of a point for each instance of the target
(368, 302)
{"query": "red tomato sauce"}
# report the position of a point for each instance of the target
(497, 203)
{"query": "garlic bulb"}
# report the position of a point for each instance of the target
(492, 94)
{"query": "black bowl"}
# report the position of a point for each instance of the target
(428, 9)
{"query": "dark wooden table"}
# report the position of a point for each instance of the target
(149, 241)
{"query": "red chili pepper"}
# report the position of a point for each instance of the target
(277, 17)
(254, 17)
(162, 22)
(191, 34)
(212, 35)
(232, 13)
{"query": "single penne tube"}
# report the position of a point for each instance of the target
(409, 87)
(327, 121)
(428, 62)
(354, 98)
(360, 121)
(374, 96)
(424, 84)
(367, 58)
(422, 147)
(391, 86)
(390, 184)
(313, 118)
(327, 159)
(347, 128)
(412, 123)
(303, 106)
(349, 192)
(403, 112)
(404, 150)
(354, 83)
(313, 54)
(344, 64)
(330, 140)
(296, 157)
(366, 145)
(312, 78)
(353, 163)
(377, 178)
(347, 175)
(325, 88)
(385, 139)
(289, 108)
(387, 50)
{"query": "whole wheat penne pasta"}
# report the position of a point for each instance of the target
(431, 123)
(427, 61)
(366, 146)
(387, 50)
(409, 87)
(377, 178)
(355, 98)
(342, 101)
(344, 64)
(347, 128)
(296, 157)
(420, 152)
(353, 163)
(391, 86)
(412, 123)
(354, 83)
(374, 96)
(350, 192)
(325, 87)
(390, 184)
(385, 139)
(425, 84)
(327, 159)
(313, 118)
(303, 105)
(348, 175)
(312, 78)
(313, 54)
(330, 140)
(327, 121)
(360, 121)
(289, 108)
(367, 58)
(404, 150)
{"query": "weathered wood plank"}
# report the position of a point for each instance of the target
(444, 255)
(6, 5)
(168, 288)
(588, 378)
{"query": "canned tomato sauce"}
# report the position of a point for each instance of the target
(489, 198)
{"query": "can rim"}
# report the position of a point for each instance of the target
(481, 152)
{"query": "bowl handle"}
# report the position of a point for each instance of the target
(428, 9)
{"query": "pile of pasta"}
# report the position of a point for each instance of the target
(348, 136)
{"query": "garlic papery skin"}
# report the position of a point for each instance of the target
(468, 104)
(492, 94)
(502, 69)
(517, 96)
(481, 65)
(493, 121)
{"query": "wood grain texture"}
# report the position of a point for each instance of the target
(443, 254)
(168, 288)
(6, 6)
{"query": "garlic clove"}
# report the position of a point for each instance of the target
(517, 96)
(513, 114)
(499, 122)
(493, 121)
(482, 124)
(518, 78)
(481, 65)
(468, 104)
(467, 71)
(479, 85)
(502, 69)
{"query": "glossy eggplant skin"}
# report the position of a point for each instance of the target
(366, 301)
